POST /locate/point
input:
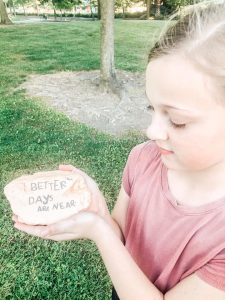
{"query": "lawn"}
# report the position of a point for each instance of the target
(34, 137)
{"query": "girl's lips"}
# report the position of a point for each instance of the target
(164, 151)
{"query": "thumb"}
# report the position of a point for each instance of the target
(67, 168)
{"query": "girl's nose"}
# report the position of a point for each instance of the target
(157, 129)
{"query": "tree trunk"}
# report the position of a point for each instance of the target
(124, 12)
(24, 10)
(99, 9)
(37, 8)
(55, 15)
(91, 8)
(148, 9)
(13, 7)
(3, 14)
(158, 4)
(74, 11)
(108, 75)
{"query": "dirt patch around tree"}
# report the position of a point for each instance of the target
(77, 94)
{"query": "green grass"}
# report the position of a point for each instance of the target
(34, 137)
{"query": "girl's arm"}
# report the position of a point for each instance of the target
(129, 281)
(194, 288)
(108, 234)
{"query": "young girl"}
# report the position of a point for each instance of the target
(165, 238)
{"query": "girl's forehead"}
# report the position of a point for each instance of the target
(174, 80)
(173, 65)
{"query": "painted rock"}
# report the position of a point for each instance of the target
(47, 197)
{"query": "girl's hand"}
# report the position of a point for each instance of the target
(98, 204)
(82, 225)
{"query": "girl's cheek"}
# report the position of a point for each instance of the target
(177, 134)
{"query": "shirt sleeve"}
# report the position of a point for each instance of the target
(130, 168)
(214, 271)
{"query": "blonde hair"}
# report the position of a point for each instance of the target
(199, 36)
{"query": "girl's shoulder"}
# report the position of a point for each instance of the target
(144, 153)
(144, 160)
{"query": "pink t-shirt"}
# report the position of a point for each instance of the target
(167, 240)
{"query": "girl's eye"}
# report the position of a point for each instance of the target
(175, 125)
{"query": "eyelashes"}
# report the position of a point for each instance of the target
(177, 126)
(174, 125)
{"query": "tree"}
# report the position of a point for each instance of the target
(124, 4)
(148, 8)
(158, 4)
(36, 4)
(11, 6)
(3, 14)
(22, 3)
(93, 6)
(62, 4)
(107, 71)
(99, 10)
(177, 4)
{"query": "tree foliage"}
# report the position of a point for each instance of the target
(174, 4)
(125, 3)
(62, 4)
(22, 2)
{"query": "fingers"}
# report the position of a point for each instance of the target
(78, 226)
(60, 231)
(44, 232)
(40, 231)
(66, 167)
(15, 218)
(71, 168)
